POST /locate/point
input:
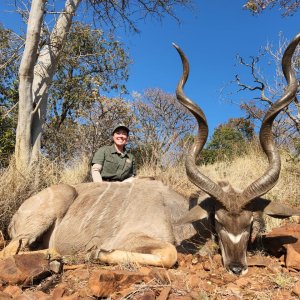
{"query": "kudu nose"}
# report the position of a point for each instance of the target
(236, 268)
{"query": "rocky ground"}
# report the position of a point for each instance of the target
(275, 275)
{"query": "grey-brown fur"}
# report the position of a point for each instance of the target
(135, 217)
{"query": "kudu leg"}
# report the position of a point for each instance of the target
(163, 254)
(16, 247)
(37, 217)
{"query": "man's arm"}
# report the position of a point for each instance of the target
(95, 170)
(97, 164)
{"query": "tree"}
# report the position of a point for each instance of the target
(269, 87)
(7, 139)
(10, 44)
(35, 74)
(40, 59)
(229, 140)
(9, 59)
(161, 126)
(90, 62)
(257, 6)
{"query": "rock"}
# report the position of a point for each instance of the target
(123, 293)
(296, 289)
(199, 295)
(206, 286)
(292, 257)
(207, 266)
(202, 274)
(281, 236)
(263, 261)
(24, 268)
(227, 278)
(242, 282)
(12, 290)
(59, 292)
(257, 260)
(164, 294)
(4, 296)
(183, 297)
(103, 283)
(193, 282)
(79, 275)
(33, 296)
(217, 259)
(74, 296)
(233, 288)
(285, 240)
(55, 266)
(73, 267)
(84, 294)
(149, 295)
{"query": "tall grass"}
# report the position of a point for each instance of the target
(240, 172)
(15, 186)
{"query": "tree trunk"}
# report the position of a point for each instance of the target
(23, 135)
(36, 74)
(45, 69)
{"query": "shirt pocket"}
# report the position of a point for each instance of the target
(110, 166)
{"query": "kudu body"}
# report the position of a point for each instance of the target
(143, 220)
(110, 221)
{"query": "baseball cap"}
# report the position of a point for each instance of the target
(121, 126)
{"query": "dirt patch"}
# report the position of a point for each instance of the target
(194, 277)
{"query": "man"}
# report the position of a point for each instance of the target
(114, 163)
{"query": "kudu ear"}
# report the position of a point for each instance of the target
(273, 209)
(198, 212)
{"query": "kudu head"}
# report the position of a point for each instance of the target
(233, 210)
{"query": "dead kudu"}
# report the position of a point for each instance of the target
(233, 209)
(141, 221)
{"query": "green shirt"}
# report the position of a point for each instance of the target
(115, 165)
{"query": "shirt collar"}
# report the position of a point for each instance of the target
(114, 150)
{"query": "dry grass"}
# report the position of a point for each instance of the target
(240, 172)
(15, 187)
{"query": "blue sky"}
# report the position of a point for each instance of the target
(211, 36)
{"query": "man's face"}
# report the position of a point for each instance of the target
(120, 137)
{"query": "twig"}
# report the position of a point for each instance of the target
(12, 57)
(59, 13)
(7, 113)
